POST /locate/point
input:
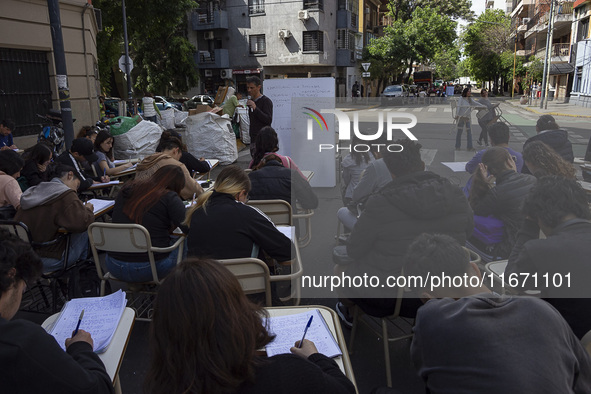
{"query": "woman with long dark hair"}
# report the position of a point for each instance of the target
(192, 163)
(204, 338)
(464, 117)
(223, 227)
(103, 147)
(542, 160)
(155, 204)
(266, 143)
(37, 161)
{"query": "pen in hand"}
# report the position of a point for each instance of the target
(305, 331)
(79, 321)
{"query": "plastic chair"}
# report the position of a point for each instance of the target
(306, 216)
(130, 238)
(279, 211)
(253, 275)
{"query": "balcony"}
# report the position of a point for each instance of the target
(559, 53)
(209, 20)
(218, 58)
(347, 20)
(345, 58)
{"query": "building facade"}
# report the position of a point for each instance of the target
(28, 85)
(581, 33)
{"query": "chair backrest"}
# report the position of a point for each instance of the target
(253, 275)
(17, 228)
(112, 237)
(279, 211)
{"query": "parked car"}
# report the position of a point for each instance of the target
(164, 103)
(203, 99)
(175, 102)
(395, 91)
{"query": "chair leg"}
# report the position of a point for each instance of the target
(386, 351)
(354, 328)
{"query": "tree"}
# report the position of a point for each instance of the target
(403, 9)
(163, 57)
(446, 64)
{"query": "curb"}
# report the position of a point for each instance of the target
(548, 113)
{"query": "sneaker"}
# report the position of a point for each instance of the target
(343, 313)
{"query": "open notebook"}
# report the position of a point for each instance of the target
(101, 318)
(289, 329)
(99, 205)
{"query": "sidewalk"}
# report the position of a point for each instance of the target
(554, 108)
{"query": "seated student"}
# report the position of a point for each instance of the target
(267, 142)
(37, 160)
(81, 153)
(54, 205)
(11, 165)
(502, 198)
(6, 142)
(270, 180)
(31, 359)
(353, 165)
(499, 136)
(552, 135)
(170, 155)
(468, 339)
(221, 226)
(200, 347)
(543, 160)
(103, 147)
(191, 162)
(89, 132)
(155, 204)
(416, 201)
(559, 207)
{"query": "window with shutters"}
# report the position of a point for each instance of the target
(313, 41)
(257, 45)
(314, 5)
(345, 39)
(256, 7)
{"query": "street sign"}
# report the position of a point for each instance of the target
(365, 66)
(365, 75)
(122, 63)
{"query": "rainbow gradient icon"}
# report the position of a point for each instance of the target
(315, 116)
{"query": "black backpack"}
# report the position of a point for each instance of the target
(84, 281)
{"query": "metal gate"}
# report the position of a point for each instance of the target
(24, 88)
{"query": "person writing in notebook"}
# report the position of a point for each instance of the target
(32, 361)
(54, 205)
(199, 347)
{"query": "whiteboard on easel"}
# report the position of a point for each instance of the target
(294, 103)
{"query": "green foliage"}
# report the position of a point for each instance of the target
(162, 55)
(403, 9)
(446, 63)
(535, 70)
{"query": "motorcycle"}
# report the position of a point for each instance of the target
(53, 132)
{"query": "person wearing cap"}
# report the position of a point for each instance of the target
(6, 142)
(54, 205)
(82, 151)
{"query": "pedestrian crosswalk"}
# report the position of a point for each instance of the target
(434, 109)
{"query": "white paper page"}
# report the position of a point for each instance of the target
(101, 317)
(99, 205)
(290, 328)
(212, 162)
(288, 231)
(117, 162)
(105, 184)
(456, 166)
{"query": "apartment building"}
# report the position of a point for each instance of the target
(581, 35)
(282, 39)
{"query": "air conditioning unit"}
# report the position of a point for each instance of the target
(284, 34)
(208, 35)
(525, 21)
(208, 73)
(303, 15)
(226, 73)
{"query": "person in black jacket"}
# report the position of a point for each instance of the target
(32, 361)
(82, 152)
(221, 226)
(260, 110)
(206, 335)
(270, 181)
(193, 164)
(415, 202)
(504, 199)
(552, 135)
(155, 204)
(559, 207)
(37, 160)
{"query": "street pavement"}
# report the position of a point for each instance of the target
(436, 132)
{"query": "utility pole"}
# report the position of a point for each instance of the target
(61, 72)
(126, 43)
(548, 59)
(514, 63)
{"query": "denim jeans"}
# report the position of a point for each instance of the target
(141, 271)
(461, 123)
(78, 251)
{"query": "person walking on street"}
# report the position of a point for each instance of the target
(464, 112)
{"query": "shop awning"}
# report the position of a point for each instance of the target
(561, 68)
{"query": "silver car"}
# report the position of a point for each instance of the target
(395, 91)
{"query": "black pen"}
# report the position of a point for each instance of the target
(80, 321)
(306, 330)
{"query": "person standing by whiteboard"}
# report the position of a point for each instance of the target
(260, 109)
